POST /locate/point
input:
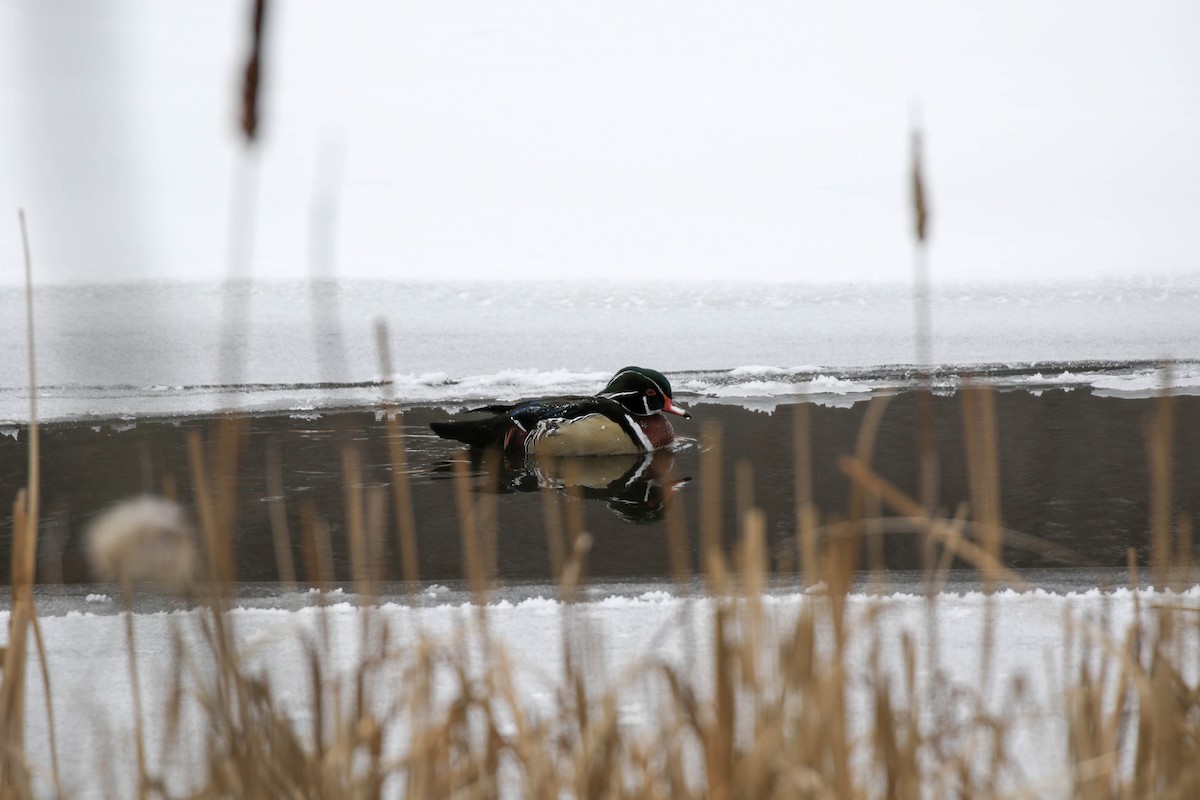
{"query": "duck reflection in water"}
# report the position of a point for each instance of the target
(637, 487)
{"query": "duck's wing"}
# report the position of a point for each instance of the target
(528, 414)
(493, 431)
(497, 408)
(543, 406)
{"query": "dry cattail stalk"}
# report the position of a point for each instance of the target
(927, 465)
(280, 537)
(920, 203)
(401, 490)
(806, 511)
(1159, 454)
(253, 75)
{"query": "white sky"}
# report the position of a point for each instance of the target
(626, 139)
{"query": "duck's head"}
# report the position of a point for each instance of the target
(643, 392)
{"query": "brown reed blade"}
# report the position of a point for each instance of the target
(25, 546)
(352, 490)
(139, 732)
(839, 560)
(14, 777)
(14, 774)
(1160, 454)
(950, 546)
(277, 511)
(864, 443)
(216, 551)
(754, 566)
(743, 488)
(806, 512)
(838, 738)
(983, 470)
(406, 535)
(1022, 541)
(928, 477)
(575, 635)
(862, 507)
(469, 531)
(231, 434)
(940, 531)
(375, 550)
(677, 545)
(719, 735)
(402, 500)
(983, 473)
(579, 542)
(552, 514)
(574, 570)
(711, 548)
(317, 548)
(489, 524)
(753, 573)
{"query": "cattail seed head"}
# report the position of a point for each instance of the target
(252, 77)
(920, 203)
(144, 539)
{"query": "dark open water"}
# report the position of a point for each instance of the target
(1073, 473)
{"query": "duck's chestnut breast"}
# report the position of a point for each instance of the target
(657, 429)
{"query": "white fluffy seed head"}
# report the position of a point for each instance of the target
(145, 539)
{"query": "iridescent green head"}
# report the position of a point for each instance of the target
(643, 392)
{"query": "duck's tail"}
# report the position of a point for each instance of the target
(489, 432)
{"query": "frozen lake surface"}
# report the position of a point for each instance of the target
(139, 350)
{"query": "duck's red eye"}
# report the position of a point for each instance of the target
(650, 393)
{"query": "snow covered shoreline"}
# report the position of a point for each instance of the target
(1037, 642)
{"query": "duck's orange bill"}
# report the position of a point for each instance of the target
(671, 408)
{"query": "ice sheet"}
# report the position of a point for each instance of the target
(167, 349)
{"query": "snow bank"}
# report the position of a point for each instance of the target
(88, 660)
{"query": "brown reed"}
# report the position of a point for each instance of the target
(15, 778)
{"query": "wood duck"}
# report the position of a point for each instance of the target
(627, 416)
